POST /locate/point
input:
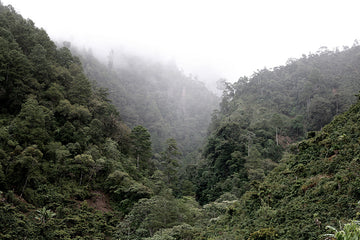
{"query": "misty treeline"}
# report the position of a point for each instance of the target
(259, 117)
(156, 95)
(110, 150)
(70, 167)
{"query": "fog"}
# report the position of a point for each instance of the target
(209, 39)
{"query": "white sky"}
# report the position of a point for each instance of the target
(220, 37)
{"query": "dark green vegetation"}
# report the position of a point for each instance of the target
(157, 96)
(261, 116)
(69, 168)
(315, 185)
(271, 167)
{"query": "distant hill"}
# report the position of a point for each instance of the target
(262, 115)
(156, 95)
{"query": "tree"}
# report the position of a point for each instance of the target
(321, 112)
(41, 65)
(141, 147)
(29, 127)
(157, 213)
(14, 75)
(277, 123)
(25, 168)
(253, 165)
(82, 167)
(169, 161)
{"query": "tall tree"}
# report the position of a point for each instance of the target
(141, 146)
(169, 161)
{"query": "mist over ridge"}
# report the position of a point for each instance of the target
(210, 40)
(132, 146)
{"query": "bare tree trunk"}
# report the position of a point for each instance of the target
(81, 175)
(26, 180)
(137, 161)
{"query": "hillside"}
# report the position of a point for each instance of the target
(281, 159)
(315, 185)
(69, 167)
(261, 116)
(157, 96)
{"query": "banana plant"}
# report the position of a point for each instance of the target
(350, 231)
(43, 215)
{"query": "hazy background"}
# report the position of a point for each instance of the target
(210, 39)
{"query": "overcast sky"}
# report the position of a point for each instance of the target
(221, 37)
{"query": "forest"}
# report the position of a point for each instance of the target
(134, 148)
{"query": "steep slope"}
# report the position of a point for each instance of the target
(69, 168)
(157, 96)
(315, 185)
(260, 116)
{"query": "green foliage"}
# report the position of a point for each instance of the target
(263, 234)
(125, 190)
(169, 161)
(29, 127)
(163, 211)
(141, 147)
(70, 169)
(261, 116)
(61, 141)
(179, 232)
(157, 96)
(349, 231)
(311, 188)
(44, 215)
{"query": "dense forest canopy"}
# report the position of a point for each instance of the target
(315, 185)
(70, 168)
(261, 116)
(77, 161)
(156, 95)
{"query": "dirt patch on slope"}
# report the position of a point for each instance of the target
(99, 201)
